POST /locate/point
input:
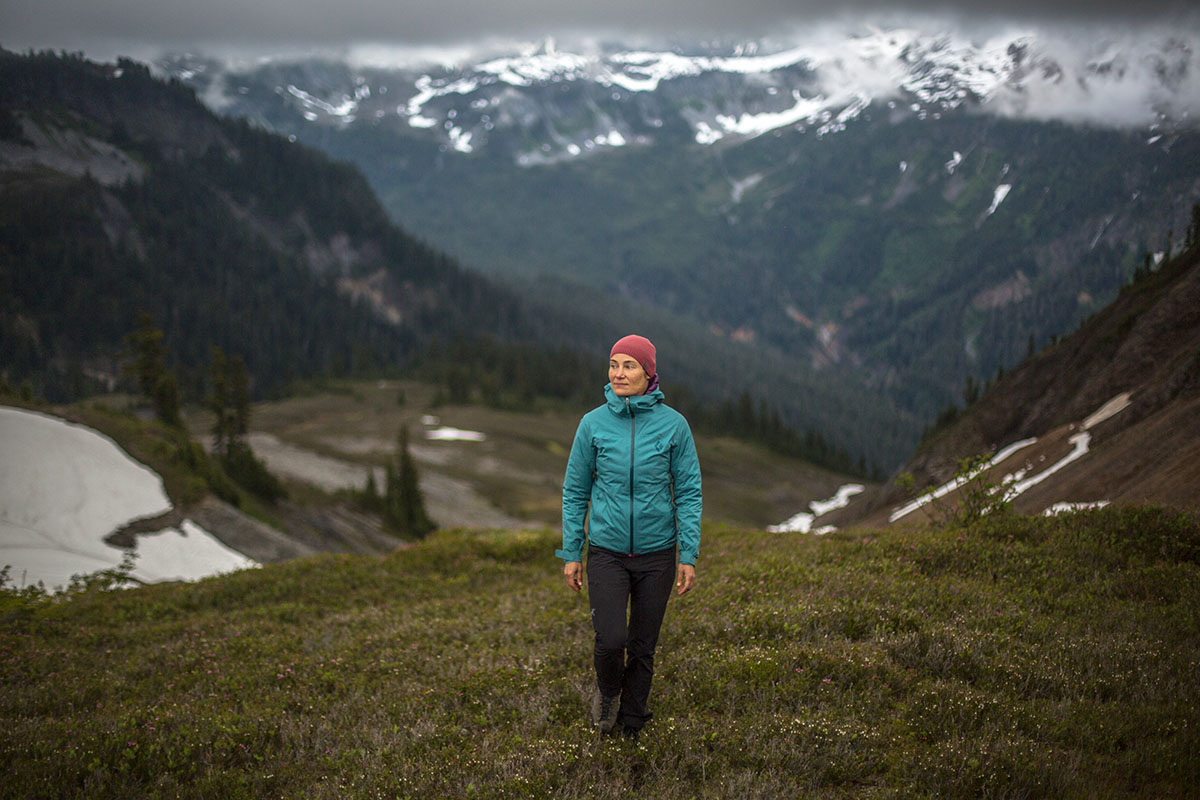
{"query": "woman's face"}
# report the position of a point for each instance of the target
(627, 376)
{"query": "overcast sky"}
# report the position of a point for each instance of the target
(94, 25)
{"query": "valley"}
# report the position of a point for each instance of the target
(870, 217)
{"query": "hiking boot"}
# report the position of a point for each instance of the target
(631, 734)
(604, 711)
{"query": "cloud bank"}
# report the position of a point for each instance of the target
(94, 24)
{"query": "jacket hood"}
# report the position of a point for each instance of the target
(635, 405)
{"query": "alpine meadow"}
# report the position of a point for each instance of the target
(296, 336)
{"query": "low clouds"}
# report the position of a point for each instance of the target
(83, 24)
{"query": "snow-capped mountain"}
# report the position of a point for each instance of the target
(549, 102)
(901, 208)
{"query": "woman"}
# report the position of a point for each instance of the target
(634, 463)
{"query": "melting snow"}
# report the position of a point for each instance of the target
(946, 488)
(64, 487)
(1109, 409)
(1001, 192)
(460, 140)
(1062, 508)
(448, 434)
(344, 109)
(802, 522)
(1016, 484)
(742, 186)
(954, 161)
(1080, 449)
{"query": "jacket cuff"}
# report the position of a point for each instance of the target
(688, 557)
(569, 555)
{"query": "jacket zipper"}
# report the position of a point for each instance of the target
(631, 447)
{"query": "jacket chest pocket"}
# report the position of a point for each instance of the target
(652, 472)
(612, 462)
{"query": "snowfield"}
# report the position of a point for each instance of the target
(64, 488)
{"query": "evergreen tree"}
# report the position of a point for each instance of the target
(217, 402)
(370, 498)
(229, 400)
(239, 397)
(145, 362)
(404, 507)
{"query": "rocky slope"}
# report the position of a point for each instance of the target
(1108, 414)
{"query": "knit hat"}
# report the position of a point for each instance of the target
(640, 348)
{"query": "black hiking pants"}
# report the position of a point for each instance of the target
(624, 650)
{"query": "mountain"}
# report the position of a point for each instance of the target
(123, 193)
(1107, 414)
(873, 217)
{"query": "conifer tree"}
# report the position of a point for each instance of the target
(239, 397)
(145, 361)
(229, 401)
(404, 507)
(217, 402)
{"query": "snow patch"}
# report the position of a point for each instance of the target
(1063, 508)
(1080, 442)
(64, 487)
(448, 434)
(460, 140)
(959, 481)
(183, 554)
(740, 187)
(802, 521)
(1109, 409)
(345, 108)
(1014, 485)
(1001, 192)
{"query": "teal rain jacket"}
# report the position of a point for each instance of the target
(635, 463)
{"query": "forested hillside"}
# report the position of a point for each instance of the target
(858, 248)
(122, 193)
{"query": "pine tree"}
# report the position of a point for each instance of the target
(217, 402)
(145, 361)
(229, 401)
(239, 396)
(370, 498)
(404, 507)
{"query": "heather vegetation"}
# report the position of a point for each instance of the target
(1012, 657)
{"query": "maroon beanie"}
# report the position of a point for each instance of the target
(640, 348)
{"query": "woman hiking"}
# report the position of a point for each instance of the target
(632, 493)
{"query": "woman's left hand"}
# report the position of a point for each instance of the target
(685, 577)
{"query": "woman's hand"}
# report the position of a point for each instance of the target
(685, 577)
(573, 574)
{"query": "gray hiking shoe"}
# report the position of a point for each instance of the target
(604, 711)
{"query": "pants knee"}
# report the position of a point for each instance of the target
(609, 643)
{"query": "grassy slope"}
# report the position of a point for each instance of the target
(1028, 657)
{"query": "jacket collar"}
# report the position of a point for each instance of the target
(631, 405)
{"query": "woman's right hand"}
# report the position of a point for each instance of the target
(573, 574)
